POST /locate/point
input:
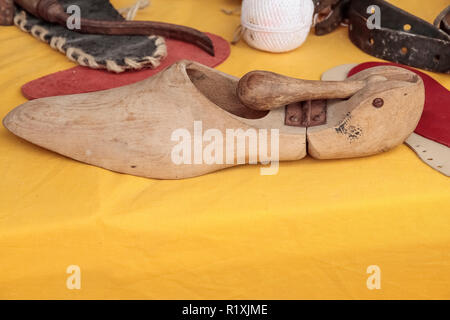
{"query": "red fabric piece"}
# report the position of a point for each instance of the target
(82, 79)
(435, 121)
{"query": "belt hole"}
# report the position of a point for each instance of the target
(407, 27)
(437, 58)
(404, 50)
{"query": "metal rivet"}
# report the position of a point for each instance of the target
(378, 102)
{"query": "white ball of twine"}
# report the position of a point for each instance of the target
(276, 25)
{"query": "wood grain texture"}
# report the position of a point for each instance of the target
(263, 90)
(432, 153)
(357, 127)
(129, 129)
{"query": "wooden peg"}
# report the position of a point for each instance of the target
(264, 90)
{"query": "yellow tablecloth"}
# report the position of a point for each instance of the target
(309, 232)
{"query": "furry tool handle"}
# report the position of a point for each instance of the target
(53, 11)
(263, 90)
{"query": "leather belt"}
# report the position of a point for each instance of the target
(443, 20)
(403, 38)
